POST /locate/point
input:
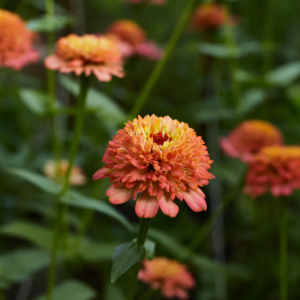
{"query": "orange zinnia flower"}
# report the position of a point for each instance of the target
(132, 39)
(275, 169)
(160, 158)
(211, 16)
(249, 138)
(87, 54)
(168, 275)
(15, 42)
(76, 178)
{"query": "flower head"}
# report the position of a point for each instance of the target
(211, 16)
(160, 158)
(157, 2)
(15, 42)
(249, 138)
(132, 39)
(275, 169)
(76, 178)
(87, 54)
(168, 275)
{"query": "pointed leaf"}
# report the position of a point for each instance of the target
(21, 264)
(71, 289)
(79, 200)
(125, 256)
(29, 231)
(104, 107)
(49, 23)
(42, 182)
(285, 74)
(34, 100)
(150, 249)
(251, 99)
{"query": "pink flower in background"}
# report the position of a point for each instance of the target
(171, 277)
(76, 178)
(132, 39)
(157, 2)
(87, 54)
(16, 42)
(249, 138)
(275, 169)
(160, 158)
(212, 16)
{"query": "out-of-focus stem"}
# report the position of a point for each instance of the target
(283, 251)
(150, 83)
(84, 86)
(141, 238)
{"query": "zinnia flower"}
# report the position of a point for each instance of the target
(133, 40)
(15, 42)
(76, 178)
(211, 16)
(249, 138)
(87, 54)
(168, 275)
(157, 2)
(160, 158)
(275, 169)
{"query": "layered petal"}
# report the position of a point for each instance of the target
(195, 200)
(168, 206)
(146, 206)
(119, 195)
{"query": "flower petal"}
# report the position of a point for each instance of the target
(119, 195)
(100, 174)
(146, 206)
(168, 206)
(194, 200)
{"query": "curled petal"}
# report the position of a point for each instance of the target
(119, 195)
(100, 174)
(168, 206)
(195, 200)
(146, 206)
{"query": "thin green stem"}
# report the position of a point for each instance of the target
(141, 238)
(140, 102)
(54, 250)
(84, 85)
(283, 251)
(211, 221)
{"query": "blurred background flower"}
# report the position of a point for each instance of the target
(16, 42)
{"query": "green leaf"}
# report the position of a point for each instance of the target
(167, 242)
(34, 100)
(31, 232)
(42, 182)
(113, 292)
(21, 264)
(251, 99)
(150, 249)
(79, 200)
(125, 256)
(224, 51)
(104, 107)
(49, 24)
(285, 74)
(293, 93)
(72, 289)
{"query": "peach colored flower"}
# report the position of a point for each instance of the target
(132, 39)
(275, 169)
(157, 2)
(249, 138)
(76, 178)
(160, 158)
(87, 54)
(168, 275)
(211, 16)
(15, 42)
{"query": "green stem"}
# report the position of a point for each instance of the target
(283, 251)
(84, 85)
(141, 238)
(140, 102)
(211, 221)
